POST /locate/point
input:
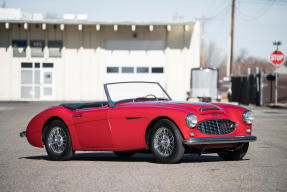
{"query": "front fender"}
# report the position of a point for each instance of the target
(176, 115)
(36, 125)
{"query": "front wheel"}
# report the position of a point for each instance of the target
(58, 142)
(236, 154)
(166, 142)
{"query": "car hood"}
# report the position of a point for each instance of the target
(197, 107)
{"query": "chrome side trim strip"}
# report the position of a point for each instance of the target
(219, 140)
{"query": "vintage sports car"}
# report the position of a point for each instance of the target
(141, 116)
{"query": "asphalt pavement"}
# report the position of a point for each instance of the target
(26, 168)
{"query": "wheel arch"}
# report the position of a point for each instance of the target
(152, 123)
(50, 119)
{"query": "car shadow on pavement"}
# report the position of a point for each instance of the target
(139, 157)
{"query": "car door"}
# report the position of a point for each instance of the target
(92, 127)
(128, 127)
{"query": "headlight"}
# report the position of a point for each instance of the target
(248, 117)
(191, 120)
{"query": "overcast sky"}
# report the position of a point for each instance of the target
(257, 22)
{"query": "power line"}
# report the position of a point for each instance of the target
(283, 1)
(219, 12)
(265, 8)
(261, 1)
(276, 3)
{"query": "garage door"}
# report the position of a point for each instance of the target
(135, 60)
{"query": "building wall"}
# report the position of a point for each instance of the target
(81, 71)
(7, 70)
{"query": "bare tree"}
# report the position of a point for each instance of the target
(177, 17)
(3, 4)
(222, 71)
(215, 58)
(243, 62)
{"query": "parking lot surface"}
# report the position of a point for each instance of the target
(26, 168)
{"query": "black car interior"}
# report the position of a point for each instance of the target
(75, 106)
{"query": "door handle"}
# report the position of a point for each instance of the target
(78, 115)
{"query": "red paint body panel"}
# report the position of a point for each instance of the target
(93, 129)
(123, 127)
(36, 125)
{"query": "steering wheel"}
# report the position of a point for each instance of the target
(150, 95)
(145, 97)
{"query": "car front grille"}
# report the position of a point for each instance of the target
(216, 126)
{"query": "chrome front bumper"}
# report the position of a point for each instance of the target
(219, 140)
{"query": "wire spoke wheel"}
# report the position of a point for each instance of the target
(57, 140)
(164, 142)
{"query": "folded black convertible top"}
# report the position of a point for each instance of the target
(75, 106)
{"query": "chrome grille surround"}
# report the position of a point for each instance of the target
(216, 126)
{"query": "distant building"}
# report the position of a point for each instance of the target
(70, 59)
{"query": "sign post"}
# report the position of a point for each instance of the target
(276, 58)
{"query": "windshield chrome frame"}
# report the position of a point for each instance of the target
(112, 104)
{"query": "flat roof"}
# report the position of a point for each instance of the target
(85, 22)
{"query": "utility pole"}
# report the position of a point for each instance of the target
(277, 44)
(202, 62)
(231, 36)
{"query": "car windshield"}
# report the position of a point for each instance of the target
(135, 91)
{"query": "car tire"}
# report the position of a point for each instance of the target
(124, 154)
(236, 154)
(58, 141)
(166, 142)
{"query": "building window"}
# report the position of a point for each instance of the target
(37, 48)
(112, 69)
(26, 65)
(142, 69)
(157, 70)
(127, 69)
(37, 65)
(48, 65)
(55, 48)
(19, 48)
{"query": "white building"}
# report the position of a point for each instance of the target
(72, 59)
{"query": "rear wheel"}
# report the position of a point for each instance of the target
(57, 141)
(166, 142)
(236, 154)
(124, 154)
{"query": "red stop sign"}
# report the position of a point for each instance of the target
(277, 57)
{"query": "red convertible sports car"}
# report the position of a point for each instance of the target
(140, 116)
